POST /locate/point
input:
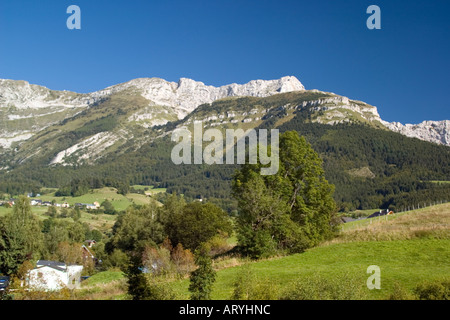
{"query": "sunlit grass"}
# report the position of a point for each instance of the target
(408, 262)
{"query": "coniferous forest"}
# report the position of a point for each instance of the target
(370, 168)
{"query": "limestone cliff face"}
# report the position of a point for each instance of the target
(432, 131)
(20, 95)
(27, 109)
(186, 94)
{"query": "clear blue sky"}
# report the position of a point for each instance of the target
(403, 69)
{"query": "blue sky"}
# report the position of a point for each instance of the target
(403, 69)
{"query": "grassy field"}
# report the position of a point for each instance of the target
(410, 248)
(439, 181)
(101, 222)
(120, 202)
(149, 189)
(429, 218)
(360, 213)
(404, 262)
(108, 285)
(407, 262)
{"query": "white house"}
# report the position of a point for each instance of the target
(35, 202)
(65, 205)
(93, 206)
(53, 275)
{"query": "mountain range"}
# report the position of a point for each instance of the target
(48, 138)
(26, 109)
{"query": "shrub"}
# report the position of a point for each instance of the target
(203, 278)
(317, 287)
(219, 244)
(256, 244)
(108, 208)
(400, 293)
(159, 290)
(437, 290)
(117, 259)
(183, 260)
(157, 260)
(248, 286)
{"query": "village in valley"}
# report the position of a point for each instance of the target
(40, 203)
(54, 275)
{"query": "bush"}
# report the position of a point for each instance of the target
(400, 293)
(219, 244)
(247, 286)
(256, 244)
(159, 290)
(108, 208)
(437, 290)
(183, 259)
(157, 260)
(203, 278)
(51, 212)
(194, 223)
(117, 259)
(317, 287)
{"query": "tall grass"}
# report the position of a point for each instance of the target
(432, 222)
(108, 285)
(408, 262)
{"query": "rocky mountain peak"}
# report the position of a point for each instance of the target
(432, 131)
(22, 103)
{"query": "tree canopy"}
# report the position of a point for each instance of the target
(20, 237)
(194, 223)
(293, 209)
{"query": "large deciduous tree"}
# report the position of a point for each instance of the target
(136, 228)
(194, 223)
(292, 209)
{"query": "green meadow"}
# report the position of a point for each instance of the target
(120, 202)
(410, 249)
(404, 262)
(99, 221)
